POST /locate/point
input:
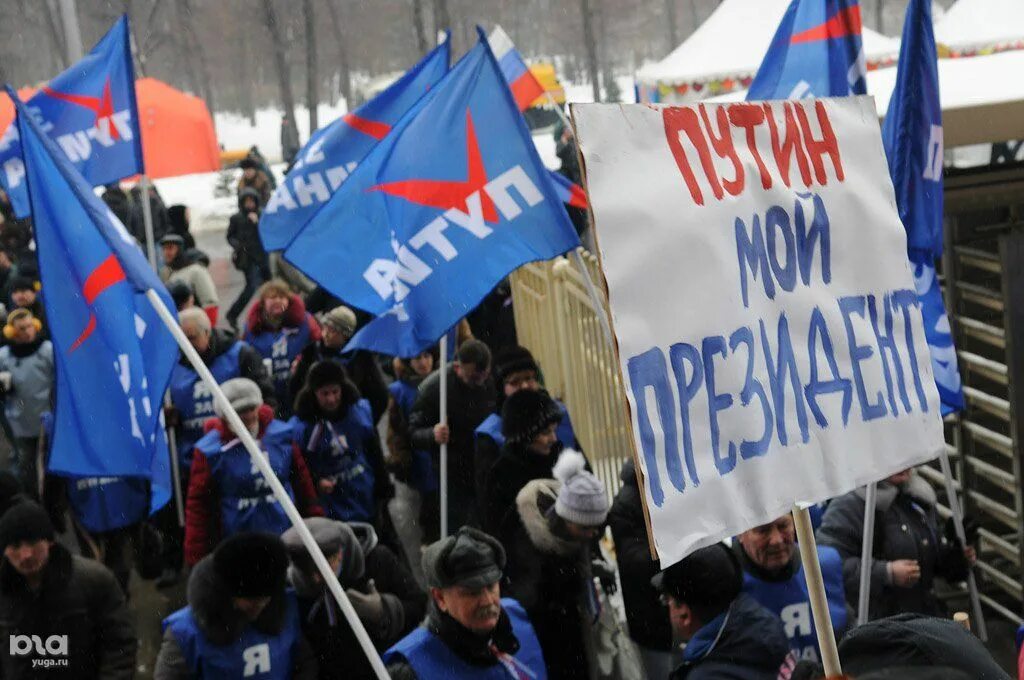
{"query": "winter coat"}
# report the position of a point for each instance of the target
(363, 559)
(550, 575)
(196, 277)
(745, 643)
(211, 618)
(468, 405)
(282, 345)
(905, 528)
(80, 599)
(204, 519)
(515, 467)
(178, 225)
(646, 616)
(260, 183)
(117, 200)
(32, 379)
(244, 237)
(137, 223)
(362, 369)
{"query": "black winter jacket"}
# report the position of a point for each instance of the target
(515, 467)
(646, 616)
(361, 367)
(244, 237)
(905, 528)
(79, 598)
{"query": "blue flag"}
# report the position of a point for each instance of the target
(113, 355)
(90, 112)
(816, 52)
(912, 135)
(437, 214)
(334, 151)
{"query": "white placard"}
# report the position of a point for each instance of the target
(770, 337)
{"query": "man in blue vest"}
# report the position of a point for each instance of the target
(470, 631)
(514, 369)
(240, 621)
(774, 576)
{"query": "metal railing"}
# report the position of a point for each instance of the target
(557, 322)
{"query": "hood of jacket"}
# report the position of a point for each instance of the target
(886, 493)
(356, 540)
(294, 316)
(248, 191)
(217, 619)
(535, 502)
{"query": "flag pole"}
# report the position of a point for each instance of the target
(443, 374)
(261, 461)
(595, 299)
(816, 591)
(867, 554)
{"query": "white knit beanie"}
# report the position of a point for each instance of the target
(581, 497)
(242, 393)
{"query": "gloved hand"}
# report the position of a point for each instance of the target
(605, 574)
(970, 530)
(369, 606)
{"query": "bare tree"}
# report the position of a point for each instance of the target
(281, 64)
(880, 16)
(418, 26)
(56, 32)
(312, 96)
(670, 24)
(590, 45)
(343, 66)
(442, 20)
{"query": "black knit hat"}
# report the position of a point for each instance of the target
(513, 360)
(526, 413)
(180, 292)
(251, 564)
(710, 578)
(23, 283)
(25, 522)
(324, 373)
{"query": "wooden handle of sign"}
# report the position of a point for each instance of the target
(816, 592)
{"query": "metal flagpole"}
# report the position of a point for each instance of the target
(816, 591)
(147, 219)
(866, 554)
(443, 374)
(261, 461)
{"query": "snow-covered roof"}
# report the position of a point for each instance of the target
(732, 42)
(982, 25)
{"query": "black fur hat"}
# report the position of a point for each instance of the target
(526, 413)
(252, 564)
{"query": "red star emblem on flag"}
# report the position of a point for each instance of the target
(445, 194)
(102, 106)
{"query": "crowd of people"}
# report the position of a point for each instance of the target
(520, 588)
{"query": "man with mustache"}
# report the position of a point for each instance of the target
(774, 576)
(470, 631)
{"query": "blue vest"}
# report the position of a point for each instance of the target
(193, 399)
(789, 601)
(108, 503)
(422, 474)
(253, 655)
(281, 347)
(246, 500)
(491, 427)
(337, 451)
(431, 659)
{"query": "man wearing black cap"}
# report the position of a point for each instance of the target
(727, 633)
(240, 620)
(72, 605)
(179, 268)
(470, 629)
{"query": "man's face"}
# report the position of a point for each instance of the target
(543, 442)
(684, 623)
(28, 558)
(335, 563)
(249, 203)
(471, 374)
(770, 546)
(198, 336)
(24, 297)
(328, 398)
(333, 338)
(251, 419)
(24, 331)
(477, 609)
(899, 478)
(422, 363)
(520, 380)
(275, 304)
(250, 607)
(170, 251)
(249, 173)
(582, 533)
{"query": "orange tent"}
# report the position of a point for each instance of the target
(177, 131)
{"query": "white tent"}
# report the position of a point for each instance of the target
(726, 50)
(972, 27)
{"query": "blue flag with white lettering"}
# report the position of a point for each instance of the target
(113, 355)
(334, 151)
(816, 52)
(912, 135)
(437, 214)
(89, 110)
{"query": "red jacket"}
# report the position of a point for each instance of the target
(202, 506)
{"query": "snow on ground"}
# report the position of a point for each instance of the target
(234, 130)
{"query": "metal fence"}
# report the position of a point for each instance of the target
(557, 322)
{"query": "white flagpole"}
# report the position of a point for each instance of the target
(866, 554)
(816, 591)
(261, 461)
(443, 374)
(595, 299)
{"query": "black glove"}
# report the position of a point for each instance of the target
(970, 531)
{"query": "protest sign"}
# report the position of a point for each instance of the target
(770, 337)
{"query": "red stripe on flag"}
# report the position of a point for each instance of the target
(107, 274)
(525, 90)
(373, 128)
(89, 328)
(85, 101)
(845, 22)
